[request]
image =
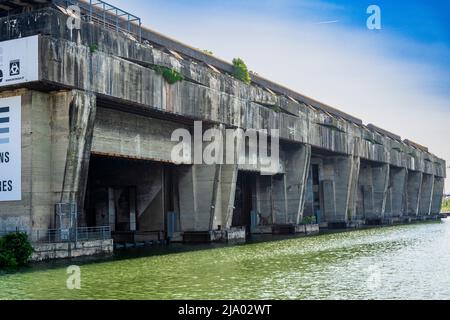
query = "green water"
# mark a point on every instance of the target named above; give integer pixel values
(402, 262)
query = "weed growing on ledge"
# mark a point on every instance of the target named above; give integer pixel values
(308, 220)
(241, 71)
(170, 75)
(93, 48)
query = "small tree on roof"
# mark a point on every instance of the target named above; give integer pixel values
(241, 71)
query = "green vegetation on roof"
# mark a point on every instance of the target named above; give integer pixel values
(240, 71)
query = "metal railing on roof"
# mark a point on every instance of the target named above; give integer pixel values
(107, 15)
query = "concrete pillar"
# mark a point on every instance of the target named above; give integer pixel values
(298, 159)
(207, 194)
(414, 186)
(380, 179)
(73, 119)
(364, 192)
(340, 176)
(426, 194)
(225, 197)
(438, 193)
(198, 187)
(397, 192)
(356, 166)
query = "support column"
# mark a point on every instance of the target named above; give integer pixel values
(198, 191)
(365, 203)
(398, 178)
(356, 167)
(337, 187)
(207, 194)
(72, 130)
(414, 186)
(426, 194)
(380, 178)
(438, 193)
(298, 160)
(225, 197)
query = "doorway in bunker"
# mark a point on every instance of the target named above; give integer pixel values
(244, 203)
(137, 199)
(313, 197)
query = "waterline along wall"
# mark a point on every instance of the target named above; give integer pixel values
(96, 125)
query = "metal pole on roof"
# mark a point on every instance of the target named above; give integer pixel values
(90, 10)
(117, 20)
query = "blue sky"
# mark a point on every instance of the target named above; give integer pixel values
(397, 78)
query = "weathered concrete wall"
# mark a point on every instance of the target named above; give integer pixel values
(54, 251)
(201, 102)
(56, 133)
(127, 135)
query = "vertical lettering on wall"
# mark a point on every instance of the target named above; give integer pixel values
(10, 149)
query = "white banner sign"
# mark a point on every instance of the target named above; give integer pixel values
(19, 61)
(10, 149)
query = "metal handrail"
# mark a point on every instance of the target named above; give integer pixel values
(64, 235)
(103, 13)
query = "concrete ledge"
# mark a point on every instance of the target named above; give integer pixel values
(337, 225)
(355, 224)
(231, 235)
(51, 251)
(283, 229)
(262, 230)
(374, 222)
(307, 229)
